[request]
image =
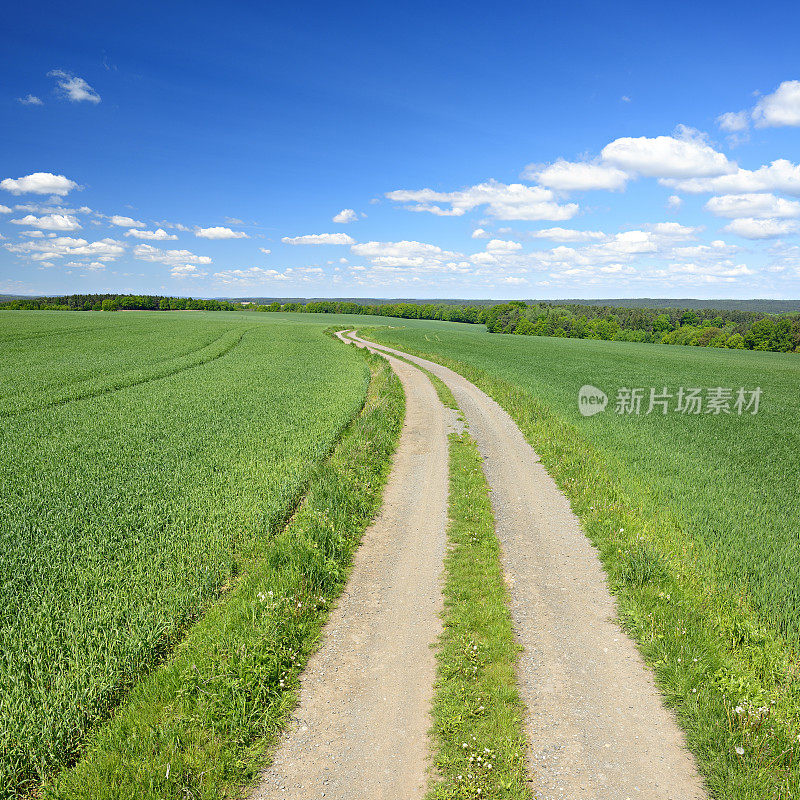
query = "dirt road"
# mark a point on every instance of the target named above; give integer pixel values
(360, 730)
(596, 724)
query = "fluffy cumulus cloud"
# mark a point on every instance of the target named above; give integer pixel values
(779, 176)
(686, 156)
(219, 232)
(50, 222)
(178, 260)
(781, 108)
(158, 235)
(752, 228)
(74, 88)
(674, 202)
(48, 249)
(514, 201)
(319, 238)
(404, 254)
(569, 176)
(126, 222)
(39, 183)
(255, 276)
(759, 206)
(734, 121)
(4, 209)
(502, 246)
(346, 215)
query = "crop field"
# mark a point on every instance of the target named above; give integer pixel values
(695, 516)
(145, 461)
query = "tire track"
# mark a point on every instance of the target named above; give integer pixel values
(596, 724)
(360, 730)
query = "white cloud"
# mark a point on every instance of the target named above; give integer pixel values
(734, 121)
(674, 202)
(418, 255)
(568, 176)
(480, 233)
(761, 206)
(75, 88)
(502, 246)
(503, 201)
(319, 238)
(158, 235)
(172, 258)
(668, 157)
(39, 183)
(780, 108)
(50, 222)
(126, 222)
(187, 271)
(751, 228)
(253, 276)
(219, 232)
(30, 100)
(346, 215)
(569, 235)
(42, 249)
(673, 230)
(4, 209)
(265, 250)
(779, 176)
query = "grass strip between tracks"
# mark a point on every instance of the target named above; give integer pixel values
(478, 741)
(202, 724)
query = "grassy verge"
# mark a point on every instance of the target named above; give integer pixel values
(199, 726)
(731, 681)
(478, 741)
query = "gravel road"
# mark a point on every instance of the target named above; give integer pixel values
(596, 724)
(360, 731)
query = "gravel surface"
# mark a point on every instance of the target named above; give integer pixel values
(360, 731)
(596, 724)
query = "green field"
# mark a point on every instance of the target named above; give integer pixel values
(149, 464)
(696, 518)
(146, 461)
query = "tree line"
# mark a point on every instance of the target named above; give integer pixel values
(697, 327)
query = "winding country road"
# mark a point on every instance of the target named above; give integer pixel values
(596, 725)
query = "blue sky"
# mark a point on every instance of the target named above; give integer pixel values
(404, 150)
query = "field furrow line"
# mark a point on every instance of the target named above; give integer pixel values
(211, 352)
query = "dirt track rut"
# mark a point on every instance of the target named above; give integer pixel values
(360, 730)
(596, 724)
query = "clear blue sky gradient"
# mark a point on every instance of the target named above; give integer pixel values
(282, 115)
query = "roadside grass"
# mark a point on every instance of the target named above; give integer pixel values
(477, 713)
(730, 676)
(201, 725)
